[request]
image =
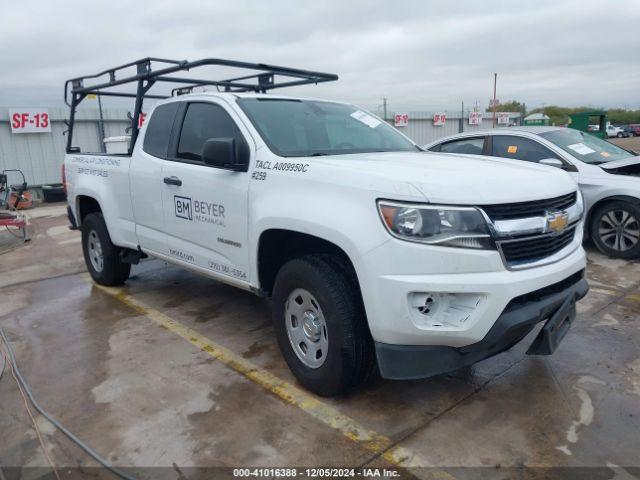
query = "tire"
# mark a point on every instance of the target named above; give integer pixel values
(619, 135)
(334, 298)
(609, 237)
(111, 270)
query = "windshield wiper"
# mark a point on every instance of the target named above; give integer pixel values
(318, 154)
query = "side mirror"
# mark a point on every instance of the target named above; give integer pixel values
(552, 162)
(222, 153)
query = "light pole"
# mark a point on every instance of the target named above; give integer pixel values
(495, 81)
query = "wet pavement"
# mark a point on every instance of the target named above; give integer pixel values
(139, 375)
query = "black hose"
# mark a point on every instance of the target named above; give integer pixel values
(54, 422)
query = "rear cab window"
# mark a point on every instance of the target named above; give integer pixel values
(156, 140)
(469, 146)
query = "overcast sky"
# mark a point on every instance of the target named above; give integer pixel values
(421, 55)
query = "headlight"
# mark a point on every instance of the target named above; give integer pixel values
(436, 225)
(580, 203)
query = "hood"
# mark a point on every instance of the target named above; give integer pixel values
(626, 166)
(462, 180)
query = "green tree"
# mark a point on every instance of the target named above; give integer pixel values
(510, 106)
(560, 115)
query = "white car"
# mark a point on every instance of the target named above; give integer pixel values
(608, 176)
(372, 251)
(613, 131)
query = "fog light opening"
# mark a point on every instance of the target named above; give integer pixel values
(450, 310)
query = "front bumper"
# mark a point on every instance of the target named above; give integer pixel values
(555, 303)
(397, 276)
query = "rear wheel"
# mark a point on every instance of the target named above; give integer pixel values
(101, 256)
(321, 325)
(615, 229)
(619, 135)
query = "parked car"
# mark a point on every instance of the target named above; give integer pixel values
(632, 130)
(609, 176)
(371, 250)
(614, 131)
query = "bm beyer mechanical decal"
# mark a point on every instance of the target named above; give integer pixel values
(199, 210)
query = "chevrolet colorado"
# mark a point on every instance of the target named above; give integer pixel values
(375, 254)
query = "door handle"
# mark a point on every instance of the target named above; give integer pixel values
(173, 181)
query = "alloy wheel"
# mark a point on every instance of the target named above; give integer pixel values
(619, 230)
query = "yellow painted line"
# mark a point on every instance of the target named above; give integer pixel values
(347, 426)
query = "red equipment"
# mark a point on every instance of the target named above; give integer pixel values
(12, 201)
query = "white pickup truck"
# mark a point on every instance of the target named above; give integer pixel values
(373, 252)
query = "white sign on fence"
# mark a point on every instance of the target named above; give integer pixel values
(29, 120)
(401, 119)
(475, 118)
(503, 118)
(439, 119)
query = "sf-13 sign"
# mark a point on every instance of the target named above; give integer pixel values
(29, 120)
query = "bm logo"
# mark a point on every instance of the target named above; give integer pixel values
(183, 207)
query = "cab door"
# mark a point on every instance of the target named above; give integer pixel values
(145, 178)
(205, 208)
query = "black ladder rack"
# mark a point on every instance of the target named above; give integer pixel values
(264, 77)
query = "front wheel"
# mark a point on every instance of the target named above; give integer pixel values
(615, 229)
(619, 135)
(321, 324)
(101, 256)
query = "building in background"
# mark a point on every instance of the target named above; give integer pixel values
(425, 127)
(36, 144)
(539, 119)
(39, 152)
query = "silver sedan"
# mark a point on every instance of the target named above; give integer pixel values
(608, 176)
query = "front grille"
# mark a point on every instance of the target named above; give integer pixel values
(536, 208)
(531, 249)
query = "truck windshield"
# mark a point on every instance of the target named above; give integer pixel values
(585, 146)
(306, 128)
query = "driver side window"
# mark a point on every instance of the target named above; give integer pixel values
(202, 122)
(519, 148)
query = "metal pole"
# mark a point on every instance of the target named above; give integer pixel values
(384, 108)
(101, 124)
(72, 116)
(136, 115)
(461, 125)
(495, 81)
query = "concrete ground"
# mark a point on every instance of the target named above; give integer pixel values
(179, 371)
(630, 143)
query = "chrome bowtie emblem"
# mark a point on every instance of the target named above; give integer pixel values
(557, 221)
